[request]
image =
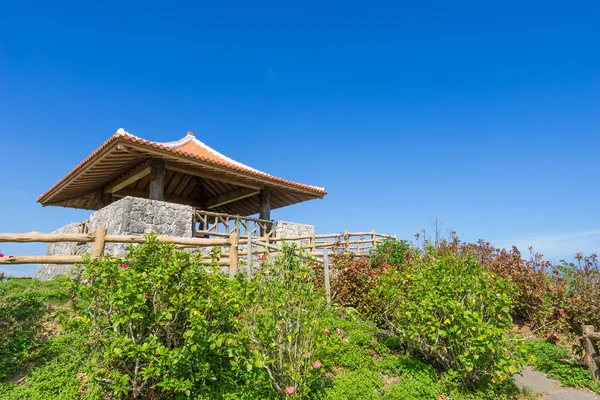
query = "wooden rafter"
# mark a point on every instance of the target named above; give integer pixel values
(168, 197)
(230, 197)
(209, 175)
(130, 177)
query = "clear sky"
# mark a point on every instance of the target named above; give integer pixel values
(484, 115)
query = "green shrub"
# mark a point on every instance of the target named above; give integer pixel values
(282, 321)
(448, 308)
(390, 253)
(354, 278)
(161, 325)
(580, 304)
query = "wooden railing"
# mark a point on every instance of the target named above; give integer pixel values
(591, 357)
(358, 243)
(318, 246)
(207, 224)
(100, 238)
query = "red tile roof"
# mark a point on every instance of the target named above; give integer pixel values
(190, 147)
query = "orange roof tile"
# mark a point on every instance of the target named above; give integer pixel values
(189, 146)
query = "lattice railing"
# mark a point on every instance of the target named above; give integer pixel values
(207, 224)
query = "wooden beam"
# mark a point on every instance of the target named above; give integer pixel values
(230, 197)
(127, 179)
(168, 197)
(265, 204)
(264, 208)
(156, 189)
(210, 175)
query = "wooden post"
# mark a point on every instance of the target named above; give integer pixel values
(591, 352)
(156, 189)
(374, 239)
(106, 198)
(326, 273)
(99, 238)
(233, 255)
(312, 242)
(249, 263)
(264, 207)
(347, 241)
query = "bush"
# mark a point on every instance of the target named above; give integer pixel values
(448, 308)
(581, 300)
(353, 279)
(535, 289)
(352, 282)
(161, 325)
(390, 253)
(281, 320)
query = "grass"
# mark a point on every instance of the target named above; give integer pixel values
(39, 359)
(559, 362)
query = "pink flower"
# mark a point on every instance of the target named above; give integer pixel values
(261, 257)
(316, 364)
(123, 266)
(167, 255)
(561, 311)
(290, 390)
(1, 255)
(145, 296)
(325, 331)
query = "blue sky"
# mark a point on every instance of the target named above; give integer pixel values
(484, 115)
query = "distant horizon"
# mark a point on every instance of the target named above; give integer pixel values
(540, 241)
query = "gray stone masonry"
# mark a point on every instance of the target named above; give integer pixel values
(128, 216)
(292, 229)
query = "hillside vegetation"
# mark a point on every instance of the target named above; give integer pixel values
(433, 321)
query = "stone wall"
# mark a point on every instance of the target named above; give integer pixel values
(285, 229)
(136, 216)
(128, 216)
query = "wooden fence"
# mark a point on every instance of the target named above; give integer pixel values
(591, 357)
(357, 243)
(318, 246)
(100, 238)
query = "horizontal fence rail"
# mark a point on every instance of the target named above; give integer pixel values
(358, 244)
(100, 238)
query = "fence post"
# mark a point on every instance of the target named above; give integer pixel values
(374, 239)
(347, 241)
(313, 249)
(99, 237)
(589, 357)
(249, 257)
(326, 273)
(233, 255)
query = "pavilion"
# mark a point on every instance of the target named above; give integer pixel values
(186, 171)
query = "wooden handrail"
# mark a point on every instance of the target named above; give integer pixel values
(261, 244)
